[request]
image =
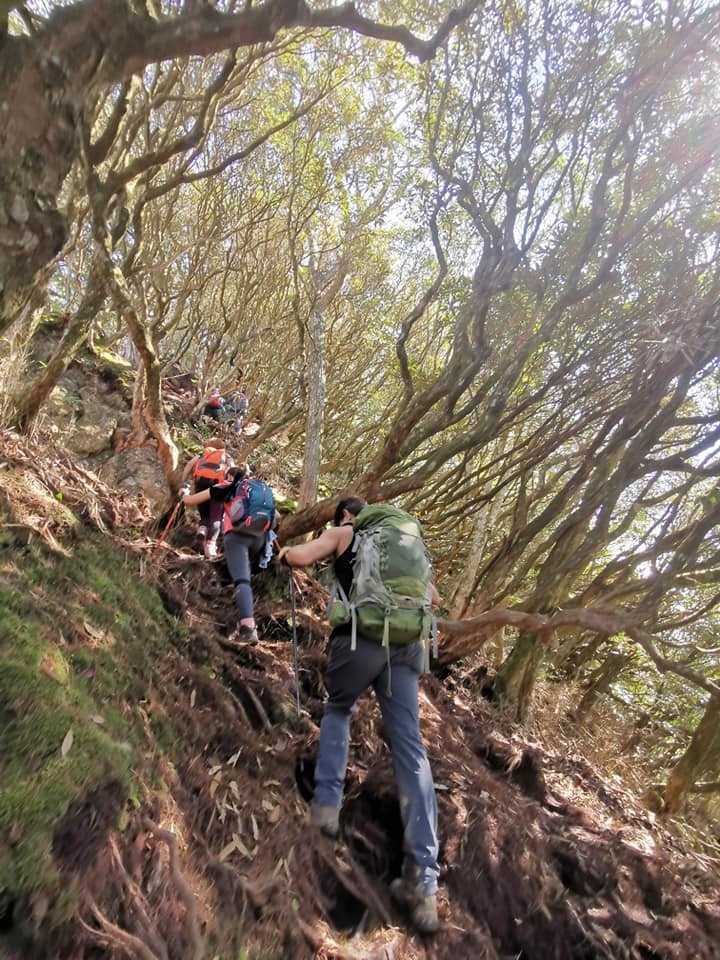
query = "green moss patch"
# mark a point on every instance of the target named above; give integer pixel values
(79, 639)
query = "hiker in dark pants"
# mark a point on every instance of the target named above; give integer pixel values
(241, 544)
(204, 471)
(214, 405)
(237, 408)
(349, 674)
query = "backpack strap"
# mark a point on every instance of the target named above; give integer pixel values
(336, 590)
(351, 606)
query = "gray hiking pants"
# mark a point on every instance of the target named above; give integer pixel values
(239, 550)
(350, 673)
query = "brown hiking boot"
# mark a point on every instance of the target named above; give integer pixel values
(326, 818)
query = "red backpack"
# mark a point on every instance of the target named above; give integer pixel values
(212, 464)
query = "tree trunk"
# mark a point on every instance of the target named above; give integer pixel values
(325, 286)
(152, 411)
(600, 682)
(583, 652)
(515, 681)
(315, 418)
(462, 594)
(72, 339)
(702, 756)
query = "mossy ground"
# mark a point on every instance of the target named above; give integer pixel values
(79, 635)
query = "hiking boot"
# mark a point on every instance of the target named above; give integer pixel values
(210, 549)
(407, 889)
(326, 818)
(246, 634)
(425, 915)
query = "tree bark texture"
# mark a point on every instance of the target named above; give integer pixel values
(600, 682)
(702, 756)
(75, 333)
(515, 681)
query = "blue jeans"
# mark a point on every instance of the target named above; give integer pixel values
(350, 673)
(239, 549)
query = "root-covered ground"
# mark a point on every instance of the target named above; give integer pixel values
(209, 852)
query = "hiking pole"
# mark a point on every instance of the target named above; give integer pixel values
(295, 643)
(164, 533)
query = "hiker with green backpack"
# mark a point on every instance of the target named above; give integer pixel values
(381, 617)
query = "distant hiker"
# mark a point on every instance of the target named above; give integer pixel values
(205, 470)
(249, 518)
(357, 659)
(237, 408)
(214, 404)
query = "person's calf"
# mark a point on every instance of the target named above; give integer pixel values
(210, 549)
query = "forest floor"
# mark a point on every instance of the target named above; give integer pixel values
(208, 852)
(542, 856)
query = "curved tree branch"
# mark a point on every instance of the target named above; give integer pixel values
(463, 636)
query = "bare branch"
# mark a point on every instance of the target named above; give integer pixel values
(597, 619)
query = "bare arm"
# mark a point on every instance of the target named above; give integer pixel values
(192, 499)
(332, 542)
(189, 468)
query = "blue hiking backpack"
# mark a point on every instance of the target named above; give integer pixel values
(252, 509)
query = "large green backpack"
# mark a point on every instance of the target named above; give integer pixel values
(390, 596)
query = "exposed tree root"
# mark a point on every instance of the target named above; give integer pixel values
(353, 878)
(111, 935)
(182, 887)
(139, 906)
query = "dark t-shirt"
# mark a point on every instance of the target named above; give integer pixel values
(224, 492)
(343, 568)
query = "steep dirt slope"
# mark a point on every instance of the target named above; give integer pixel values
(157, 807)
